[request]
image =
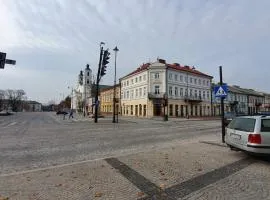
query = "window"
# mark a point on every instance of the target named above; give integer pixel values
(132, 81)
(190, 92)
(265, 127)
(124, 94)
(181, 78)
(140, 92)
(127, 83)
(200, 93)
(156, 89)
(176, 91)
(170, 76)
(196, 93)
(87, 73)
(124, 83)
(186, 92)
(136, 80)
(195, 81)
(140, 78)
(87, 81)
(203, 94)
(156, 75)
(144, 91)
(207, 83)
(170, 90)
(181, 92)
(190, 80)
(203, 82)
(136, 94)
(208, 97)
(144, 77)
(242, 124)
(127, 94)
(186, 79)
(175, 77)
(200, 81)
(132, 94)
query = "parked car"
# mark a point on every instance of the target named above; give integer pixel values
(228, 117)
(61, 112)
(250, 134)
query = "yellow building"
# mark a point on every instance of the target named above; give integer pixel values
(106, 100)
(159, 88)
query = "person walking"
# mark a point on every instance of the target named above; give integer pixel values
(71, 114)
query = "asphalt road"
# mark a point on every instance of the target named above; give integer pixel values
(37, 140)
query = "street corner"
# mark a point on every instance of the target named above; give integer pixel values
(89, 180)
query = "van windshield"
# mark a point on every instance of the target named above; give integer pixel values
(243, 124)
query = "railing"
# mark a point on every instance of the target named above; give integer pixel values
(153, 95)
(193, 98)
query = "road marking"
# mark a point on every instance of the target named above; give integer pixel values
(11, 124)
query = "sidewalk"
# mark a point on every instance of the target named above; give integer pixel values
(190, 170)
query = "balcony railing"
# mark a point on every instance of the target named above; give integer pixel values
(193, 98)
(153, 95)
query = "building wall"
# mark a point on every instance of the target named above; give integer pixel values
(106, 100)
(146, 90)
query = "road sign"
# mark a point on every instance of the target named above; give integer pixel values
(11, 62)
(221, 90)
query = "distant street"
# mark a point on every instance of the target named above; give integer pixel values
(37, 140)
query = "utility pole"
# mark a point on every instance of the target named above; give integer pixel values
(103, 61)
(222, 106)
(114, 87)
(97, 83)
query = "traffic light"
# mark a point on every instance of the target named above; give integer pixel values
(2, 60)
(105, 61)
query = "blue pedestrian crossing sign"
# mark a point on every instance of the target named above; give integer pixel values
(221, 91)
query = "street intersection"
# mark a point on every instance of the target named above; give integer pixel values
(45, 157)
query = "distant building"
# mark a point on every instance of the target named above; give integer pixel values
(159, 88)
(81, 94)
(240, 101)
(106, 100)
(32, 106)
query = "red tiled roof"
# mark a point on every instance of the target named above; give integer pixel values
(187, 69)
(174, 66)
(139, 69)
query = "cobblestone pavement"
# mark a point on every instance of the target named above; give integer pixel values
(181, 161)
(189, 170)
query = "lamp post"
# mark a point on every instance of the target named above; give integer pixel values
(114, 88)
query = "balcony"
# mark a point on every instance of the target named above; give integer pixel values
(193, 99)
(153, 95)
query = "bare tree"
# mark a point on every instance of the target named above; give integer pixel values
(15, 98)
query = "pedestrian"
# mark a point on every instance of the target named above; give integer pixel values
(64, 115)
(71, 114)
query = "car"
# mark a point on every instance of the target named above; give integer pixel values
(228, 117)
(61, 112)
(250, 134)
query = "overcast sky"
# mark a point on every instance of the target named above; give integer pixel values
(52, 40)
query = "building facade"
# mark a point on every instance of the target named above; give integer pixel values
(81, 100)
(106, 100)
(159, 88)
(240, 101)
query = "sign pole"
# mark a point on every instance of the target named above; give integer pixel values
(222, 107)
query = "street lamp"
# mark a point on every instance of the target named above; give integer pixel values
(114, 88)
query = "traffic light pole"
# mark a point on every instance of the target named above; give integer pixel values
(222, 107)
(97, 85)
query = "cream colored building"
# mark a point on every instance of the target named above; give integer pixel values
(143, 92)
(106, 99)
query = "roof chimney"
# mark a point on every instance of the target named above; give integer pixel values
(162, 61)
(176, 64)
